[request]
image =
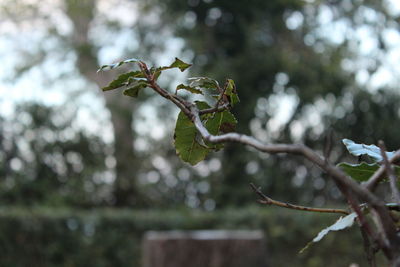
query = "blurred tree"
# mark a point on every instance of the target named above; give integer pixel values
(61, 32)
(45, 161)
(81, 14)
(304, 62)
(294, 63)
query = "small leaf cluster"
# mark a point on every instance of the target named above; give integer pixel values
(218, 119)
(134, 81)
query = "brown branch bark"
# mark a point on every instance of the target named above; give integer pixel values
(369, 248)
(390, 173)
(269, 201)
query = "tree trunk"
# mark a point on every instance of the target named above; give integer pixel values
(125, 186)
(81, 14)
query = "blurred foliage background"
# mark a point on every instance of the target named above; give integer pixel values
(306, 71)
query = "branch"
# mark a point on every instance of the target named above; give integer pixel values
(383, 218)
(390, 173)
(298, 149)
(179, 102)
(222, 96)
(378, 175)
(370, 250)
(268, 201)
(365, 228)
(217, 108)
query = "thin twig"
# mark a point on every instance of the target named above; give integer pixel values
(365, 228)
(222, 96)
(179, 102)
(390, 173)
(269, 201)
(368, 247)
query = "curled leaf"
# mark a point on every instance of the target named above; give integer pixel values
(116, 65)
(342, 223)
(360, 149)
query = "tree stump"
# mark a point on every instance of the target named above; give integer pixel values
(206, 248)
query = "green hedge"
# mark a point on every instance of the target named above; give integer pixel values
(111, 237)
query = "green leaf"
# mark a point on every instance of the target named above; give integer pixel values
(230, 91)
(362, 172)
(176, 64)
(359, 172)
(202, 105)
(123, 80)
(360, 149)
(116, 65)
(133, 91)
(221, 122)
(180, 64)
(186, 142)
(342, 223)
(189, 88)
